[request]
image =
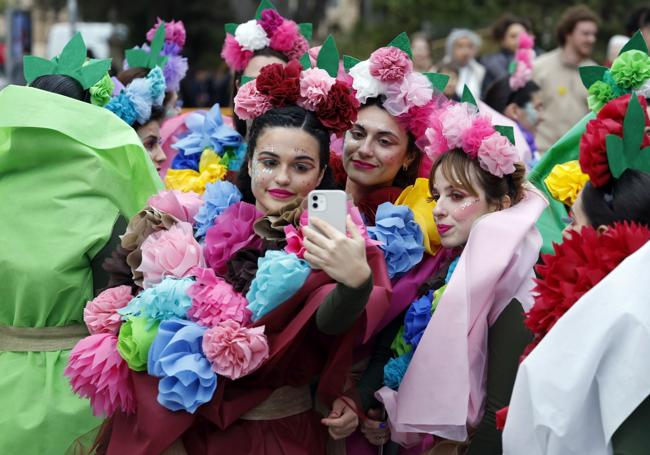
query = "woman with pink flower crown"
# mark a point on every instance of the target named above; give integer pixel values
(234, 323)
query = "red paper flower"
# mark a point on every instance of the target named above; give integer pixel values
(280, 83)
(593, 150)
(339, 110)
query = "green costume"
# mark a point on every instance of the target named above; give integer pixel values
(68, 169)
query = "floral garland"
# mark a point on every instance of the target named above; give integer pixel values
(269, 30)
(206, 152)
(313, 89)
(134, 102)
(578, 264)
(521, 69)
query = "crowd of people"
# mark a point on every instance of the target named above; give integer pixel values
(167, 290)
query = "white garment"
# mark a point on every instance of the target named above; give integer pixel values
(471, 75)
(589, 373)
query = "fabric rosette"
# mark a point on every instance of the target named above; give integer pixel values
(417, 318)
(100, 314)
(497, 155)
(272, 226)
(232, 231)
(565, 181)
(97, 372)
(279, 276)
(134, 341)
(417, 197)
(395, 370)
(218, 197)
(168, 299)
(234, 350)
(631, 69)
(242, 268)
(211, 169)
(172, 253)
(215, 301)
(400, 236)
(176, 357)
(182, 206)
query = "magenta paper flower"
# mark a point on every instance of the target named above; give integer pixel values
(250, 103)
(456, 121)
(295, 241)
(390, 64)
(300, 46)
(215, 301)
(235, 351)
(97, 371)
(497, 155)
(174, 32)
(315, 84)
(270, 19)
(481, 128)
(234, 55)
(284, 36)
(181, 205)
(100, 314)
(171, 253)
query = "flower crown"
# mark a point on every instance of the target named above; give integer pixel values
(72, 62)
(165, 44)
(314, 89)
(460, 125)
(135, 101)
(268, 29)
(630, 73)
(409, 95)
(521, 68)
(616, 140)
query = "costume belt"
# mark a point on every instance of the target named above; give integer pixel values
(283, 402)
(40, 339)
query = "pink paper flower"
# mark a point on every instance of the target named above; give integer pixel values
(480, 129)
(295, 241)
(300, 46)
(284, 36)
(100, 314)
(215, 301)
(235, 351)
(526, 41)
(181, 205)
(456, 121)
(232, 231)
(433, 143)
(97, 372)
(415, 90)
(173, 253)
(417, 119)
(270, 19)
(250, 103)
(497, 155)
(233, 54)
(521, 76)
(315, 84)
(390, 64)
(174, 32)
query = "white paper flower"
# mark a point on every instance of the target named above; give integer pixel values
(251, 36)
(644, 89)
(363, 82)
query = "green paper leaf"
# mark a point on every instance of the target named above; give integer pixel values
(439, 81)
(264, 4)
(468, 97)
(231, 28)
(506, 131)
(402, 42)
(512, 67)
(615, 155)
(591, 74)
(246, 79)
(328, 57)
(305, 61)
(635, 43)
(158, 42)
(624, 153)
(306, 30)
(73, 55)
(92, 72)
(349, 62)
(35, 67)
(149, 59)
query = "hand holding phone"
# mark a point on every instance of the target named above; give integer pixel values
(330, 206)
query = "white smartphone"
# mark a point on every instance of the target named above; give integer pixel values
(330, 206)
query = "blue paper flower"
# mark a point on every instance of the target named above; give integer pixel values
(176, 357)
(395, 370)
(139, 92)
(400, 236)
(166, 300)
(279, 276)
(417, 317)
(207, 130)
(122, 106)
(218, 197)
(236, 157)
(156, 80)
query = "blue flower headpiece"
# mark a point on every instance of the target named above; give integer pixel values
(134, 103)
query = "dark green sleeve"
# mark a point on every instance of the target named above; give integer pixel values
(100, 276)
(342, 307)
(633, 437)
(507, 339)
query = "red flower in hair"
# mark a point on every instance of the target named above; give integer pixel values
(280, 83)
(339, 109)
(593, 150)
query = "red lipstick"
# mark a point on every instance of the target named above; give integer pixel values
(442, 228)
(363, 165)
(279, 193)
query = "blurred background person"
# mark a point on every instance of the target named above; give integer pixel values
(451, 70)
(461, 49)
(614, 46)
(421, 49)
(639, 20)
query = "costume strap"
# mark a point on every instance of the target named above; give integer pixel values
(40, 339)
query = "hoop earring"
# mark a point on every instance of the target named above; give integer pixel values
(405, 166)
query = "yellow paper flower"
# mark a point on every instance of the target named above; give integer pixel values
(418, 199)
(565, 181)
(211, 169)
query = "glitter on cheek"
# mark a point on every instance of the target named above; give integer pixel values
(466, 210)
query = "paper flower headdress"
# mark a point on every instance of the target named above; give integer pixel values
(630, 73)
(268, 29)
(521, 68)
(135, 101)
(314, 89)
(72, 62)
(409, 95)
